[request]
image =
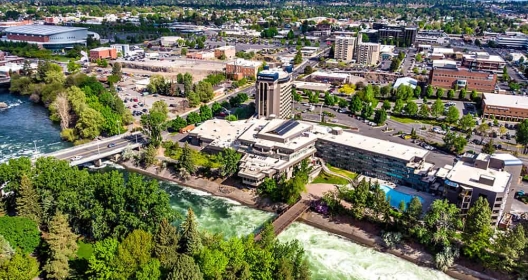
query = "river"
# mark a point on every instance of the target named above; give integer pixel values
(330, 256)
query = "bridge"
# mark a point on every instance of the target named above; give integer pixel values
(287, 218)
(99, 149)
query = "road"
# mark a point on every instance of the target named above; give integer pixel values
(91, 150)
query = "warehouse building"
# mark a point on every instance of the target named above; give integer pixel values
(103, 53)
(48, 36)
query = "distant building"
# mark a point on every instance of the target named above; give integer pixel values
(274, 93)
(48, 36)
(344, 48)
(514, 42)
(201, 55)
(368, 53)
(6, 24)
(169, 41)
(124, 49)
(103, 53)
(505, 107)
(328, 77)
(241, 68)
(482, 81)
(407, 81)
(483, 61)
(227, 51)
(395, 35)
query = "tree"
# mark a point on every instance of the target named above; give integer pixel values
(204, 90)
(205, 113)
(89, 123)
(429, 92)
(511, 244)
(216, 108)
(160, 107)
(367, 112)
(473, 95)
(356, 104)
(231, 118)
(462, 95)
(414, 209)
(386, 105)
(116, 70)
(20, 232)
(101, 264)
(297, 59)
(489, 148)
(133, 254)
(424, 111)
(186, 160)
(193, 118)
(193, 98)
(483, 129)
(398, 106)
(467, 122)
(62, 244)
(342, 103)
(19, 267)
(411, 108)
(73, 67)
(153, 125)
(229, 159)
(477, 230)
(395, 64)
(521, 135)
(27, 202)
(442, 221)
(6, 251)
(452, 115)
(185, 269)
(183, 51)
(329, 99)
(417, 91)
(450, 94)
(380, 116)
(166, 244)
(439, 93)
(385, 90)
(190, 240)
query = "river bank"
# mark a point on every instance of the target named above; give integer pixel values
(364, 234)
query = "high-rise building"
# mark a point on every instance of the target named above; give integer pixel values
(396, 35)
(368, 53)
(274, 93)
(344, 48)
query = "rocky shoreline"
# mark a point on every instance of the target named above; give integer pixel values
(344, 229)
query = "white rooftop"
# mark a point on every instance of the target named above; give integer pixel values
(483, 56)
(443, 50)
(405, 81)
(246, 63)
(329, 74)
(45, 30)
(466, 174)
(312, 86)
(506, 100)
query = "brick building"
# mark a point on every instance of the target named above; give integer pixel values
(483, 61)
(103, 53)
(505, 107)
(227, 51)
(241, 68)
(447, 78)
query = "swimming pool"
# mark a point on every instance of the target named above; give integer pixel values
(396, 196)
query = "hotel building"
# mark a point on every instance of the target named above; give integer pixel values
(274, 97)
(344, 48)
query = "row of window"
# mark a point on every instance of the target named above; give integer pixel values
(460, 76)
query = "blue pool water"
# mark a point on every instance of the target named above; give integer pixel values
(396, 196)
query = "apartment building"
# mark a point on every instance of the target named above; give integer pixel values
(225, 52)
(483, 61)
(241, 68)
(505, 107)
(368, 53)
(344, 48)
(400, 36)
(494, 178)
(481, 81)
(274, 97)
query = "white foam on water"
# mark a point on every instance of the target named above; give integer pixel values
(332, 257)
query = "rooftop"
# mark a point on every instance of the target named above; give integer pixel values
(281, 74)
(443, 50)
(483, 56)
(312, 86)
(44, 30)
(101, 49)
(223, 48)
(405, 81)
(246, 63)
(466, 174)
(330, 74)
(222, 133)
(506, 100)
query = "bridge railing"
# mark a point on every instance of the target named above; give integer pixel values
(103, 155)
(90, 144)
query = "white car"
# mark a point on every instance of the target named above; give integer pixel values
(76, 158)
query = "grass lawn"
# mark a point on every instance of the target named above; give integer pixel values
(85, 250)
(343, 172)
(200, 159)
(409, 120)
(328, 179)
(333, 125)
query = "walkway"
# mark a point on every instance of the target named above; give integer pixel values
(288, 217)
(330, 172)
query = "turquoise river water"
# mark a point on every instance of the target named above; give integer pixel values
(331, 257)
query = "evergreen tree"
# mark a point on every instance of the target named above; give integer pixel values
(267, 236)
(190, 241)
(186, 160)
(166, 244)
(63, 246)
(477, 230)
(185, 269)
(414, 209)
(27, 203)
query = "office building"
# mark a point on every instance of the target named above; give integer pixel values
(483, 61)
(505, 107)
(481, 81)
(48, 36)
(169, 41)
(329, 77)
(241, 68)
(103, 53)
(400, 36)
(201, 55)
(225, 52)
(344, 48)
(368, 53)
(273, 97)
(494, 178)
(124, 49)
(514, 42)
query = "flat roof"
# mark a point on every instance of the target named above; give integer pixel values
(221, 133)
(330, 75)
(312, 86)
(246, 63)
(37, 29)
(405, 81)
(102, 49)
(361, 142)
(484, 56)
(466, 174)
(506, 100)
(443, 50)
